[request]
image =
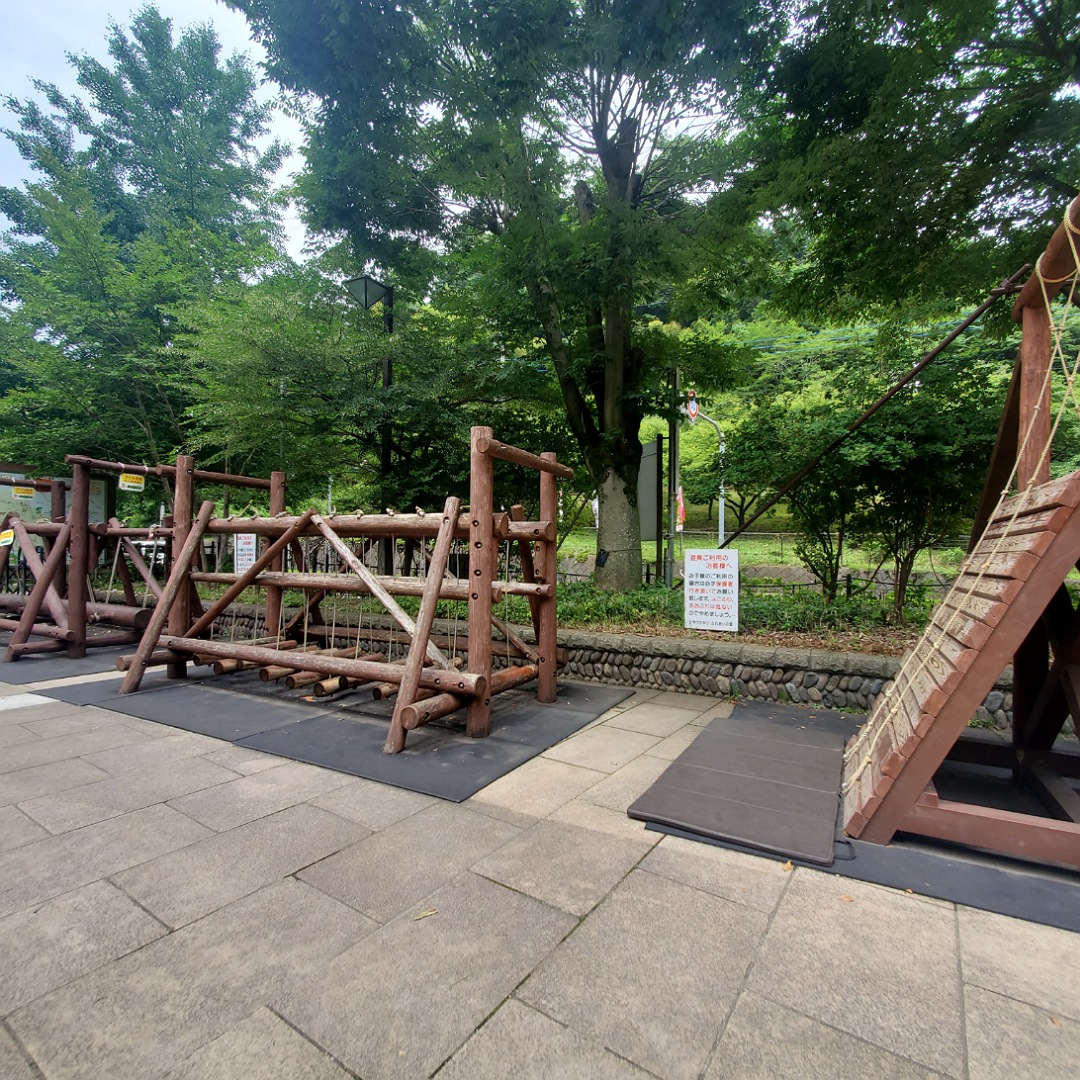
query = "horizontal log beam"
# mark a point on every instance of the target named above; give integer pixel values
(1055, 263)
(461, 682)
(505, 452)
(207, 476)
(404, 526)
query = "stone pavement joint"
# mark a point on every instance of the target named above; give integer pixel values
(330, 927)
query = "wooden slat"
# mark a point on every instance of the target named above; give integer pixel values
(993, 588)
(1062, 492)
(1032, 543)
(986, 611)
(967, 631)
(1034, 522)
(1010, 564)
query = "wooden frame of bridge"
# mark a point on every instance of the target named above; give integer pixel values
(1009, 603)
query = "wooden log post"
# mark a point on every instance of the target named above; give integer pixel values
(79, 518)
(528, 569)
(274, 592)
(178, 608)
(53, 602)
(58, 513)
(481, 560)
(547, 573)
(410, 681)
(37, 594)
(175, 588)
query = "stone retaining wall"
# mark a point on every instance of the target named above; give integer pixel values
(830, 680)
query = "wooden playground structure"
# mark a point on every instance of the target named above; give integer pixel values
(59, 613)
(427, 683)
(1009, 602)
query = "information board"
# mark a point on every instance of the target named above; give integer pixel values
(711, 590)
(243, 552)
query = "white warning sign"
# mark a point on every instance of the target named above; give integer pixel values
(711, 590)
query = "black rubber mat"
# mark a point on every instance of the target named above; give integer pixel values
(41, 667)
(766, 778)
(441, 763)
(347, 733)
(208, 711)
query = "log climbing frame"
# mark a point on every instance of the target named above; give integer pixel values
(1009, 602)
(428, 684)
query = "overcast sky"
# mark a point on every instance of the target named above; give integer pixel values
(37, 35)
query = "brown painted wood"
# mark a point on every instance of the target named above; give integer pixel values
(77, 594)
(179, 608)
(274, 592)
(421, 636)
(357, 526)
(546, 639)
(488, 444)
(141, 568)
(528, 568)
(174, 588)
(461, 682)
(952, 718)
(1055, 793)
(1065, 491)
(434, 708)
(1055, 263)
(36, 599)
(1036, 419)
(204, 622)
(1002, 459)
(53, 602)
(301, 678)
(481, 556)
(1019, 835)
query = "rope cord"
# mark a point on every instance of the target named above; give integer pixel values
(888, 714)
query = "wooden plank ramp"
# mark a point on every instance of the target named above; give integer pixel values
(1004, 586)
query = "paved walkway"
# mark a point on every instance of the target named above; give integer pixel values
(173, 906)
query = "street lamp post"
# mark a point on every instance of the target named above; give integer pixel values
(368, 292)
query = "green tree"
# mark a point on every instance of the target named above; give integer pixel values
(557, 145)
(149, 191)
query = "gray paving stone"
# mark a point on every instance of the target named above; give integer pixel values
(638, 697)
(1026, 961)
(520, 1042)
(652, 718)
(746, 879)
(80, 744)
(875, 963)
(765, 1041)
(250, 797)
(17, 829)
(600, 819)
(37, 872)
(151, 752)
(16, 735)
(122, 793)
(37, 780)
(187, 884)
(404, 999)
(239, 758)
(20, 698)
(671, 747)
(393, 869)
(373, 805)
(151, 1010)
(651, 974)
(86, 719)
(603, 748)
(1010, 1038)
(533, 790)
(52, 943)
(13, 1064)
(27, 707)
(693, 703)
(262, 1047)
(147, 727)
(626, 785)
(567, 867)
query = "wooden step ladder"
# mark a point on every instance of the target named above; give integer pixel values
(1012, 579)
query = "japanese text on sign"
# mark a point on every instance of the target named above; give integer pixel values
(243, 552)
(711, 590)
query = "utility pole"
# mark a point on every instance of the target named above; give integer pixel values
(673, 480)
